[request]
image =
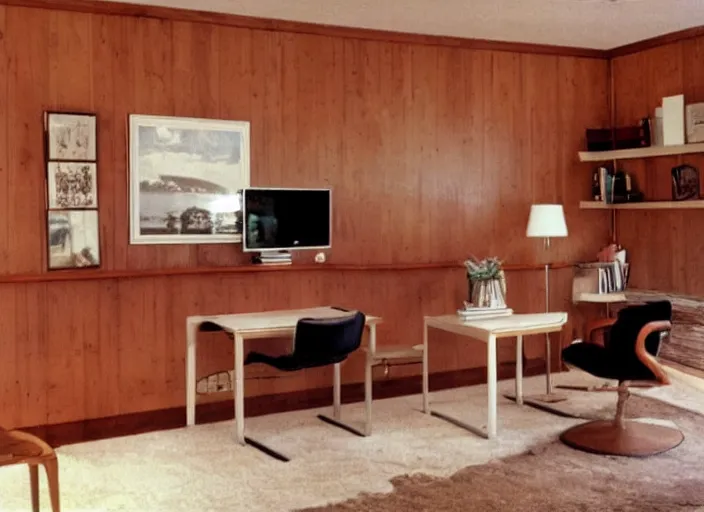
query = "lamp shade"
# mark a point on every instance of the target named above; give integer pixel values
(546, 221)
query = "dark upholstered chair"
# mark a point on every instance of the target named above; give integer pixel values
(321, 342)
(318, 342)
(628, 356)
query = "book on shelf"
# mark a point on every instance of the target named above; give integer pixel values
(600, 278)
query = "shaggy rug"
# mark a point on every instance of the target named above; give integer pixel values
(554, 477)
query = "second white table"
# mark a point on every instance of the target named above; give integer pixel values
(488, 331)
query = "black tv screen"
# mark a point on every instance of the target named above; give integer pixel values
(286, 218)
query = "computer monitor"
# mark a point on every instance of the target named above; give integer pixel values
(284, 219)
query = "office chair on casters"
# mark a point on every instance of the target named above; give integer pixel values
(628, 356)
(321, 342)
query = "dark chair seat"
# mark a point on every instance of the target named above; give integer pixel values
(289, 363)
(595, 360)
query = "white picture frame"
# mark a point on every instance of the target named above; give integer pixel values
(73, 239)
(72, 185)
(186, 177)
(71, 137)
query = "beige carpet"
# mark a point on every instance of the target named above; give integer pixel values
(201, 469)
(553, 477)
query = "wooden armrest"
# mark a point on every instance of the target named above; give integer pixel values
(595, 325)
(645, 357)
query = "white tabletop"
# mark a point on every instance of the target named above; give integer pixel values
(504, 326)
(268, 320)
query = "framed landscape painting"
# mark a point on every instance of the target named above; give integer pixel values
(186, 177)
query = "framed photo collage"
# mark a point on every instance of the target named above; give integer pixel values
(73, 229)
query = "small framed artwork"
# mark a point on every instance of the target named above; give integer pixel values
(73, 239)
(186, 177)
(685, 183)
(72, 185)
(71, 137)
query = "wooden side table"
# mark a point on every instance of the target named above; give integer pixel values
(18, 447)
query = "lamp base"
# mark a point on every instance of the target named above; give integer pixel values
(547, 398)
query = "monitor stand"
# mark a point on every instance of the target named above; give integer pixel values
(272, 258)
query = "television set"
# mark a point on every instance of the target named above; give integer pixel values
(284, 219)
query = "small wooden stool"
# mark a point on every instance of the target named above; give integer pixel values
(21, 448)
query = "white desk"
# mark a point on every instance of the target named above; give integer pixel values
(488, 331)
(268, 324)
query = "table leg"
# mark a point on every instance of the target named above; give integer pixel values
(426, 383)
(239, 389)
(191, 339)
(519, 369)
(491, 386)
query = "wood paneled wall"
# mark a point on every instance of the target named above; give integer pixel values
(433, 152)
(665, 247)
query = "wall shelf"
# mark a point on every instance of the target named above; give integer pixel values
(646, 205)
(601, 298)
(651, 151)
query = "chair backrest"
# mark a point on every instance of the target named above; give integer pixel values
(324, 341)
(624, 332)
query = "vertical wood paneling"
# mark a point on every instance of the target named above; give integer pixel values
(582, 84)
(10, 381)
(433, 153)
(4, 164)
(28, 96)
(105, 44)
(33, 359)
(664, 246)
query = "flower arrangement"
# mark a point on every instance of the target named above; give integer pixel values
(484, 270)
(487, 282)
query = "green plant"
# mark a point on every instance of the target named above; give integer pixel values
(483, 270)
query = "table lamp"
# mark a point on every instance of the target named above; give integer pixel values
(547, 221)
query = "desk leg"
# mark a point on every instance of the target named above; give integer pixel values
(368, 382)
(426, 384)
(239, 389)
(519, 369)
(191, 339)
(491, 386)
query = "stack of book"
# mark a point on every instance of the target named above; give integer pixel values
(273, 258)
(469, 313)
(599, 278)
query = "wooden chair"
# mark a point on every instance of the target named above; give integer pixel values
(628, 356)
(18, 447)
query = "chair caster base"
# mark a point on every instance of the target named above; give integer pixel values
(633, 439)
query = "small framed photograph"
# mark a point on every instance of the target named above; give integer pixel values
(73, 239)
(71, 137)
(72, 185)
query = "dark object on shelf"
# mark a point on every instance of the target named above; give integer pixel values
(616, 187)
(625, 137)
(596, 187)
(685, 183)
